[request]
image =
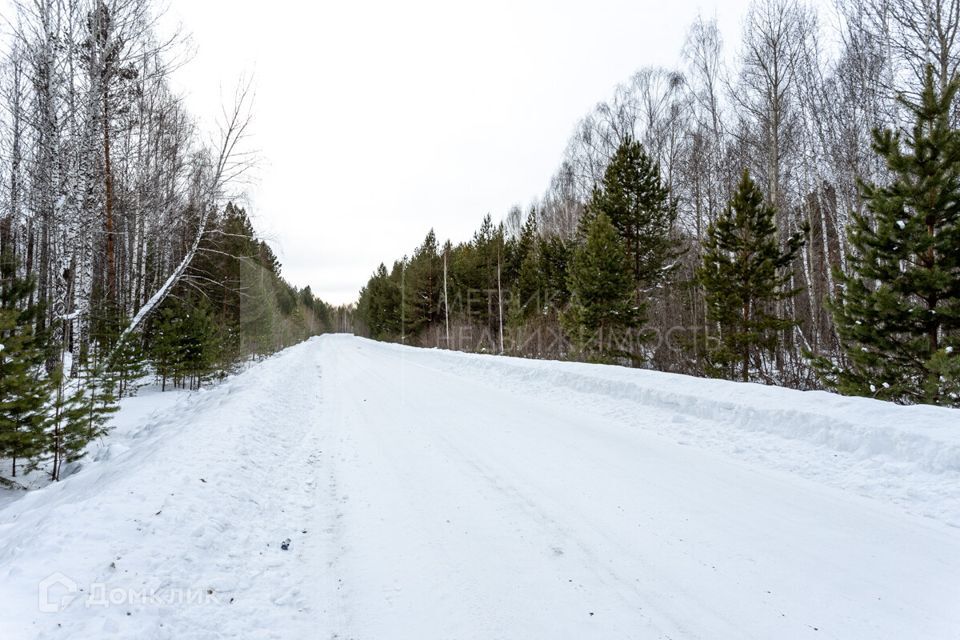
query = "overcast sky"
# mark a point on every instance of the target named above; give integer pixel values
(377, 120)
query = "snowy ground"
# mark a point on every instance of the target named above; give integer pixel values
(429, 494)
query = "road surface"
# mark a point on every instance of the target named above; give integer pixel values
(434, 495)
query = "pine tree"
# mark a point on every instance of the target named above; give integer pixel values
(164, 340)
(898, 309)
(259, 317)
(24, 387)
(58, 410)
(744, 273)
(78, 410)
(424, 283)
(477, 275)
(185, 343)
(634, 197)
(120, 364)
(602, 315)
(526, 294)
(127, 365)
(554, 258)
(380, 301)
(196, 345)
(89, 405)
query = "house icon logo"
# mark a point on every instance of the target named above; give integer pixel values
(56, 592)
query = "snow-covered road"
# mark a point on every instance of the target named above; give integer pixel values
(430, 494)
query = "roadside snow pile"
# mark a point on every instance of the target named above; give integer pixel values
(923, 435)
(909, 454)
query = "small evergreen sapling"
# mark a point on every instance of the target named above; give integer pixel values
(78, 414)
(24, 387)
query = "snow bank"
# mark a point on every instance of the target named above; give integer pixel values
(907, 448)
(926, 436)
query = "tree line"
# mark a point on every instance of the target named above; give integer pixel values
(121, 254)
(789, 219)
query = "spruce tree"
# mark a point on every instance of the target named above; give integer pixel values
(744, 273)
(898, 310)
(638, 203)
(602, 315)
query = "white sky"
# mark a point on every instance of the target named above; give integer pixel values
(377, 120)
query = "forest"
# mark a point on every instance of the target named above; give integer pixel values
(122, 251)
(785, 210)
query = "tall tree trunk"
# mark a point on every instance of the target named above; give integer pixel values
(108, 203)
